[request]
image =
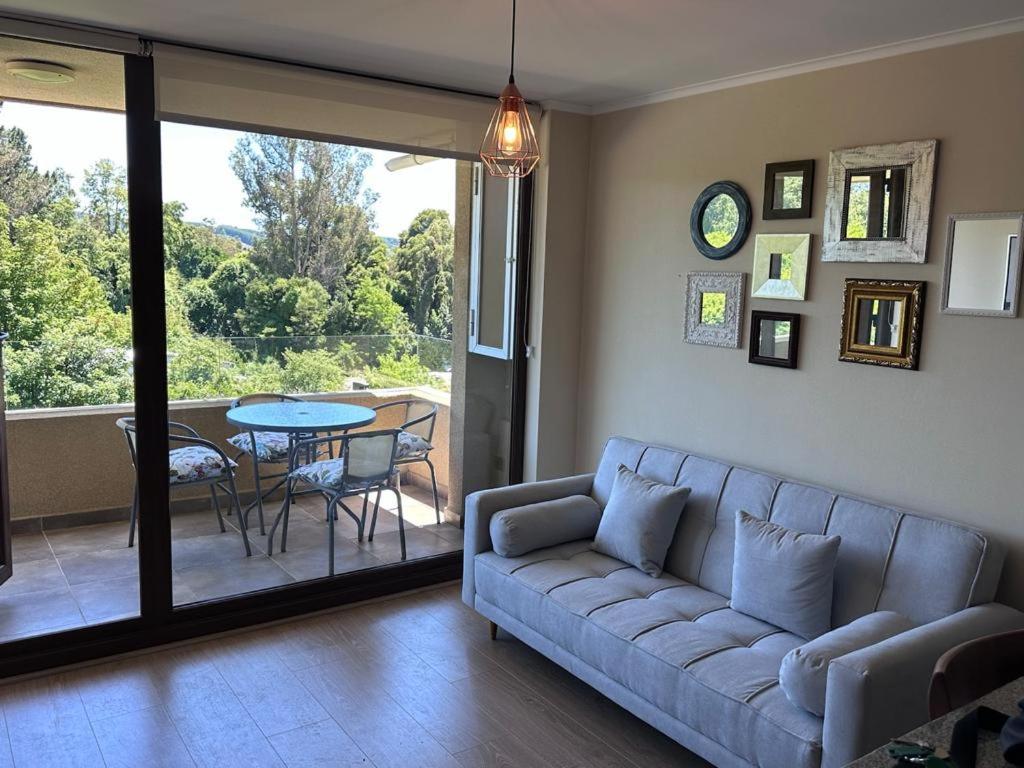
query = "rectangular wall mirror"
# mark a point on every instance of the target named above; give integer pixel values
(983, 264)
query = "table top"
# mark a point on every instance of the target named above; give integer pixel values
(939, 733)
(304, 416)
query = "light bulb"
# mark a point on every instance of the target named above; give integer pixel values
(511, 135)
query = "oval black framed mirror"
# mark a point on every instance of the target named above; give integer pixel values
(720, 220)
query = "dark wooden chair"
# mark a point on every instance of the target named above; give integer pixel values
(972, 669)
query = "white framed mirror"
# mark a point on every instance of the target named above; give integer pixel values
(983, 264)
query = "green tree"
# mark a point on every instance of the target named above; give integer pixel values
(423, 272)
(23, 189)
(195, 250)
(296, 306)
(105, 189)
(229, 282)
(374, 312)
(312, 370)
(310, 202)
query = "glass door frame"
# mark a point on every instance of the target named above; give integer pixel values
(159, 621)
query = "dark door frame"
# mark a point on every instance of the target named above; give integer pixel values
(160, 622)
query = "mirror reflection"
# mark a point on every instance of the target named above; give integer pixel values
(712, 308)
(983, 263)
(875, 203)
(720, 221)
(788, 190)
(879, 322)
(774, 338)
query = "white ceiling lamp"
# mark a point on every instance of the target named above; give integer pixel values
(40, 71)
(510, 148)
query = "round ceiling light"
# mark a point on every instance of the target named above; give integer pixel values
(40, 71)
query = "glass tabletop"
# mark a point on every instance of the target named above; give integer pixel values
(304, 416)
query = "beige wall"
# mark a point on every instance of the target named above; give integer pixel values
(947, 439)
(68, 460)
(559, 240)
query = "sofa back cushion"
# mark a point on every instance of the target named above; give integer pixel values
(887, 558)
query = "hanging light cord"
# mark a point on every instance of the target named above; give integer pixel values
(512, 56)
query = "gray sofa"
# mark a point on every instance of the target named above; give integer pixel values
(672, 651)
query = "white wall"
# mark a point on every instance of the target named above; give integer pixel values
(946, 440)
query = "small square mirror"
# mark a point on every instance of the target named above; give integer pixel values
(983, 264)
(774, 338)
(787, 190)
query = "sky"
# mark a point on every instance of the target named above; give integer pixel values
(196, 170)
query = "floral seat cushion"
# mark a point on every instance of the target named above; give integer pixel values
(329, 473)
(196, 462)
(411, 446)
(270, 446)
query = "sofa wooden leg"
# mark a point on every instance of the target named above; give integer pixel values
(494, 630)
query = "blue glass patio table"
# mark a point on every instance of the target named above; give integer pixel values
(303, 418)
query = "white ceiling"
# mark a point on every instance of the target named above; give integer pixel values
(580, 53)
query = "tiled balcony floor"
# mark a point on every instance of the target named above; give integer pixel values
(74, 577)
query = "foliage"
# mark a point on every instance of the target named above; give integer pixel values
(309, 201)
(423, 264)
(392, 371)
(314, 267)
(23, 189)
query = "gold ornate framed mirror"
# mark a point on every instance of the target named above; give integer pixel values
(882, 322)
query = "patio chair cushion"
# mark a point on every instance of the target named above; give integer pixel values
(329, 473)
(196, 462)
(411, 446)
(271, 447)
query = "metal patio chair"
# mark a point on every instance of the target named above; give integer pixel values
(270, 448)
(195, 462)
(415, 435)
(365, 463)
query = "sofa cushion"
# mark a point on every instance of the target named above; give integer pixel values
(783, 576)
(804, 670)
(639, 521)
(676, 645)
(878, 567)
(519, 530)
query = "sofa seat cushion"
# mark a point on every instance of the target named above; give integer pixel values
(671, 642)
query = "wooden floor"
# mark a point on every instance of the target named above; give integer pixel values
(412, 682)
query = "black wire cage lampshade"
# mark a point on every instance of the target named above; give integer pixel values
(510, 147)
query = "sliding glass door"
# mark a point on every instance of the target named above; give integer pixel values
(65, 303)
(164, 281)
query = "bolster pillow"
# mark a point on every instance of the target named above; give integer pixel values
(519, 530)
(804, 670)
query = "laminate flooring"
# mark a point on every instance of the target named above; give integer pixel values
(409, 682)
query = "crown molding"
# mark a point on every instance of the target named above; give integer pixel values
(940, 40)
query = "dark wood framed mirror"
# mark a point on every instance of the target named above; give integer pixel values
(787, 190)
(720, 220)
(774, 338)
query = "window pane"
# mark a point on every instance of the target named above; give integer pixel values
(308, 270)
(65, 282)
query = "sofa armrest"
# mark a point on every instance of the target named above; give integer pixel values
(880, 692)
(482, 505)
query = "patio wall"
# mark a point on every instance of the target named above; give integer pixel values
(74, 460)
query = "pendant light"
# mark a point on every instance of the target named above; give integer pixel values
(510, 148)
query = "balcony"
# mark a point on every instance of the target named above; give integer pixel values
(71, 489)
